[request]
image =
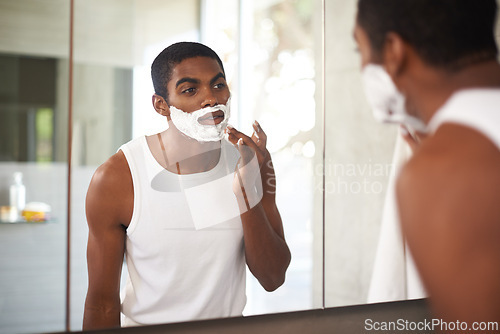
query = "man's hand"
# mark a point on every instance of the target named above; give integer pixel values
(413, 138)
(248, 182)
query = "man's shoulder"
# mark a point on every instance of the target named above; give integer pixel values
(455, 150)
(117, 166)
(110, 194)
(451, 167)
(113, 171)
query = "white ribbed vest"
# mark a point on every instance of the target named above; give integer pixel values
(176, 272)
(478, 109)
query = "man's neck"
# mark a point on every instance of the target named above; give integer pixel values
(186, 154)
(433, 87)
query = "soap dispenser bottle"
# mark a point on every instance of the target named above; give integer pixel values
(17, 195)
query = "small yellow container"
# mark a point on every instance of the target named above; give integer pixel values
(36, 212)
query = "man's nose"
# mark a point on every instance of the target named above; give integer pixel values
(209, 100)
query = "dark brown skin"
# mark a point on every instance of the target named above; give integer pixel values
(448, 200)
(448, 192)
(110, 197)
(109, 210)
(262, 224)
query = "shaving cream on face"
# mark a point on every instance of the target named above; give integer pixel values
(388, 104)
(188, 123)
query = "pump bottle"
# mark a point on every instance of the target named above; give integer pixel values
(17, 195)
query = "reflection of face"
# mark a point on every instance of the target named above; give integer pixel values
(388, 104)
(197, 83)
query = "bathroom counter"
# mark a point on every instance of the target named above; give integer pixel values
(343, 320)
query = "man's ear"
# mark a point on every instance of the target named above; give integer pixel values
(395, 54)
(161, 105)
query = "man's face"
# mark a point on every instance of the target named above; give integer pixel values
(389, 105)
(198, 83)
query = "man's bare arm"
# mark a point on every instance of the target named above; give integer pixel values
(448, 199)
(108, 208)
(266, 251)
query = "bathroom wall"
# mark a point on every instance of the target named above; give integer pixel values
(358, 155)
(33, 256)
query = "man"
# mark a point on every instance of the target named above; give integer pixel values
(432, 65)
(164, 202)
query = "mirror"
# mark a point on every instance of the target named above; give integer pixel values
(114, 45)
(275, 77)
(34, 46)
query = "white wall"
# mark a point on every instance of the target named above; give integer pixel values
(38, 28)
(356, 146)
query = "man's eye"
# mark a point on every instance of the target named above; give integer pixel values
(188, 90)
(220, 85)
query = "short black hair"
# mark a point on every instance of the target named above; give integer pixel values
(164, 63)
(448, 34)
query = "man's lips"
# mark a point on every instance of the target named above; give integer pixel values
(212, 118)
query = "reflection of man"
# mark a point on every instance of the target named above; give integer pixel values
(431, 64)
(142, 203)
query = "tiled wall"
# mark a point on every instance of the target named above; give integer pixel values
(33, 255)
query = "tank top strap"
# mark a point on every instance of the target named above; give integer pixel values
(478, 109)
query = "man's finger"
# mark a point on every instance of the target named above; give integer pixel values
(235, 135)
(260, 134)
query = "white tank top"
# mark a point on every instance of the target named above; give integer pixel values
(478, 109)
(175, 271)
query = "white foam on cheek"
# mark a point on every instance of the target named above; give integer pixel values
(188, 123)
(388, 104)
